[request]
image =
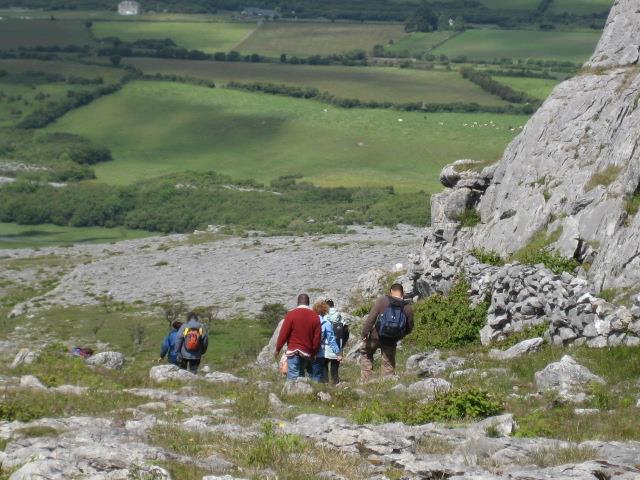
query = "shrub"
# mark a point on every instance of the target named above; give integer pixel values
(469, 218)
(488, 257)
(604, 177)
(271, 314)
(632, 205)
(538, 251)
(467, 404)
(448, 321)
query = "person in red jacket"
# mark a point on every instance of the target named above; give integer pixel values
(301, 332)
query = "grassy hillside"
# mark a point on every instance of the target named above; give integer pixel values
(380, 84)
(207, 37)
(536, 87)
(16, 33)
(155, 128)
(580, 7)
(273, 39)
(489, 44)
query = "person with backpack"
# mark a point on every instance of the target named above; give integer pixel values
(389, 321)
(192, 342)
(300, 331)
(328, 344)
(341, 333)
(168, 347)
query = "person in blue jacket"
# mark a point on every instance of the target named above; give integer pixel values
(169, 344)
(327, 341)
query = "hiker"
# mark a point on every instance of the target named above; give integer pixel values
(327, 343)
(390, 320)
(301, 332)
(341, 333)
(192, 342)
(168, 347)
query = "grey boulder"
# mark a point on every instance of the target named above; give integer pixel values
(567, 377)
(109, 360)
(162, 373)
(527, 346)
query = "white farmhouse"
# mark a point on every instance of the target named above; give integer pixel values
(129, 7)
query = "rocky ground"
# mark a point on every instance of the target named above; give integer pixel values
(238, 275)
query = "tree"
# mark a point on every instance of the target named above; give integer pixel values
(115, 60)
(378, 50)
(443, 22)
(422, 20)
(88, 24)
(283, 58)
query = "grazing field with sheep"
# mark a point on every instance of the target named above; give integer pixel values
(156, 128)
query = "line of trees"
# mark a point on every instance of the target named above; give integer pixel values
(490, 85)
(314, 93)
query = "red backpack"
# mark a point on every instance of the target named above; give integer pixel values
(192, 339)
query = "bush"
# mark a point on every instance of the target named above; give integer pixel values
(467, 404)
(448, 321)
(469, 218)
(539, 251)
(271, 314)
(488, 257)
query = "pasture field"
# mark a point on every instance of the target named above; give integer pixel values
(417, 43)
(16, 33)
(372, 83)
(580, 7)
(17, 101)
(13, 235)
(208, 37)
(536, 87)
(156, 128)
(304, 39)
(112, 15)
(489, 44)
(68, 69)
(511, 5)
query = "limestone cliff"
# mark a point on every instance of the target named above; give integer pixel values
(572, 170)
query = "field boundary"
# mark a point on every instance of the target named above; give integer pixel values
(247, 36)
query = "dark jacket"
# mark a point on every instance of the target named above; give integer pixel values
(180, 349)
(168, 347)
(378, 309)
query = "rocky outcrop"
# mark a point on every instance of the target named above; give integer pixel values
(569, 177)
(518, 350)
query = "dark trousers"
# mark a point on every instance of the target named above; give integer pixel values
(191, 365)
(331, 366)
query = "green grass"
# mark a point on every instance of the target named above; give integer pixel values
(154, 128)
(415, 44)
(207, 37)
(30, 33)
(489, 44)
(304, 39)
(379, 84)
(22, 236)
(580, 7)
(604, 177)
(536, 87)
(20, 100)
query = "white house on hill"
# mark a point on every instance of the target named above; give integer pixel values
(129, 7)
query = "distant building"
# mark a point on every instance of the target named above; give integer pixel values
(129, 7)
(259, 13)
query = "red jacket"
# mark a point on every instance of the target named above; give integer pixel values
(300, 331)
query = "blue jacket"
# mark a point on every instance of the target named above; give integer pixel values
(181, 350)
(328, 338)
(168, 347)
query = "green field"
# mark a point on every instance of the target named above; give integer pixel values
(580, 7)
(68, 69)
(489, 44)
(417, 43)
(17, 101)
(155, 128)
(16, 33)
(511, 5)
(23, 236)
(273, 39)
(208, 37)
(381, 84)
(536, 87)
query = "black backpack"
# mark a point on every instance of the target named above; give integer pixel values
(341, 332)
(392, 323)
